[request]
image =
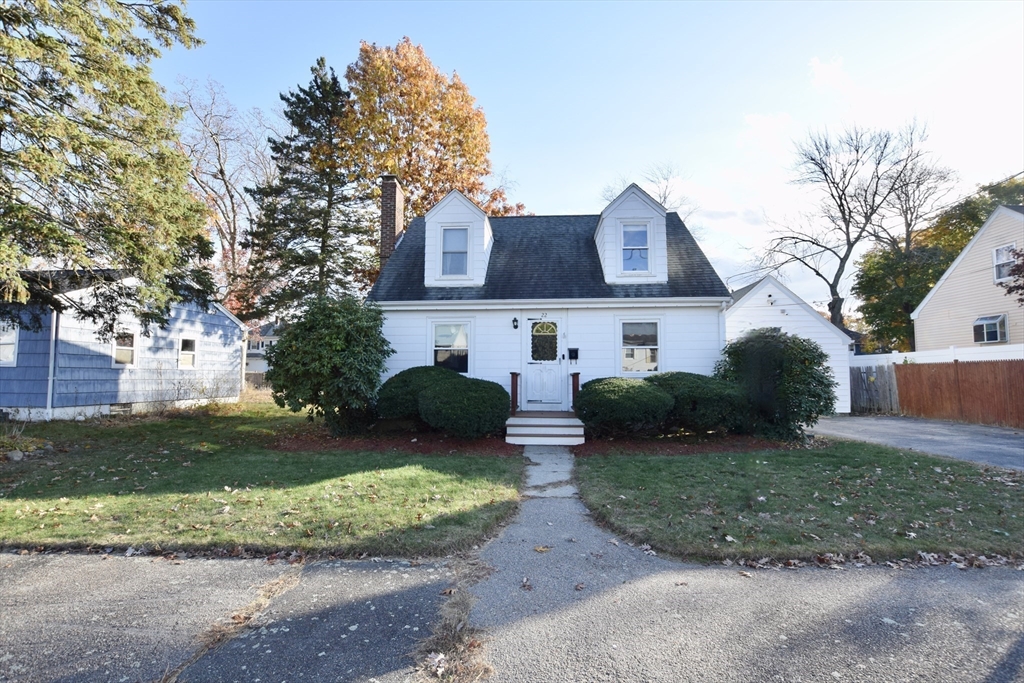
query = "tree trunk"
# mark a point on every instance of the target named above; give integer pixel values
(835, 310)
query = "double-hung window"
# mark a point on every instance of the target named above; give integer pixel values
(640, 347)
(989, 329)
(1002, 262)
(454, 251)
(451, 346)
(635, 248)
(124, 350)
(187, 354)
(8, 345)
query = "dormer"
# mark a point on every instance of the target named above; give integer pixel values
(458, 243)
(631, 239)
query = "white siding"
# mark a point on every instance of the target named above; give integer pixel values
(630, 207)
(689, 339)
(793, 316)
(457, 211)
(968, 291)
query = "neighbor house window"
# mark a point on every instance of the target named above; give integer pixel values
(640, 347)
(124, 349)
(8, 345)
(187, 353)
(451, 346)
(454, 251)
(635, 248)
(989, 329)
(1002, 261)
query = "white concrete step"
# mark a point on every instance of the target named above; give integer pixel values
(528, 430)
(544, 439)
(522, 420)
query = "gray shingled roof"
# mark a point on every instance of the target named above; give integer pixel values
(1015, 207)
(738, 294)
(547, 257)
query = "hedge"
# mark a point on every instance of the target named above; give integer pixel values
(468, 408)
(617, 404)
(399, 397)
(701, 403)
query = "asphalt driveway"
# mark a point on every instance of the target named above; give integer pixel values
(997, 446)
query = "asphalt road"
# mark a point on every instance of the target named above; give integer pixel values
(72, 617)
(997, 446)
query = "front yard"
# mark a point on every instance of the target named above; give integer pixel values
(220, 480)
(798, 504)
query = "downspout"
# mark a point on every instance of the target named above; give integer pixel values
(721, 326)
(54, 324)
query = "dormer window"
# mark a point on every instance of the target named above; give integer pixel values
(636, 242)
(454, 251)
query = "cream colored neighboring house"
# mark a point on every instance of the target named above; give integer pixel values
(967, 307)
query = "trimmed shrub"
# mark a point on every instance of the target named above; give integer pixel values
(617, 404)
(399, 396)
(701, 403)
(468, 408)
(787, 381)
(329, 362)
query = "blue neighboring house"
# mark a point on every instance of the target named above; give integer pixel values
(63, 370)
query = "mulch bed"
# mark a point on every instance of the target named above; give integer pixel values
(412, 441)
(678, 445)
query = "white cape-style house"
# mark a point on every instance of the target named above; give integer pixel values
(540, 304)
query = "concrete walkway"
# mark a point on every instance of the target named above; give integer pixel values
(984, 444)
(568, 601)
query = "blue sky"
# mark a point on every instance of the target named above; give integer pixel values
(580, 94)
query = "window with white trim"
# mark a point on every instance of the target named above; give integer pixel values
(636, 248)
(990, 329)
(454, 251)
(187, 354)
(8, 345)
(451, 346)
(640, 347)
(124, 350)
(1002, 262)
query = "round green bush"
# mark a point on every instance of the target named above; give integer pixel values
(701, 403)
(469, 408)
(787, 381)
(399, 396)
(617, 404)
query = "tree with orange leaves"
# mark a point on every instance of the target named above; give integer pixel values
(416, 122)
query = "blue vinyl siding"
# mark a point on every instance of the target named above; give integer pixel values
(85, 376)
(24, 385)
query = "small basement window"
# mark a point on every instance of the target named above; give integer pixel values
(8, 345)
(451, 347)
(1002, 262)
(187, 354)
(990, 329)
(124, 350)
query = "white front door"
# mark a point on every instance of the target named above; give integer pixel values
(545, 367)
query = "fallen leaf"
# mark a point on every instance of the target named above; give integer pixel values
(580, 586)
(541, 548)
(746, 574)
(448, 591)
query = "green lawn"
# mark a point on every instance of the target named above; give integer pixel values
(796, 504)
(210, 480)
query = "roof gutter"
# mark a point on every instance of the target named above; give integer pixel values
(503, 304)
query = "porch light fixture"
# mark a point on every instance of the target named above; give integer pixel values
(515, 323)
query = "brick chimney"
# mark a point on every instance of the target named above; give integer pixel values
(392, 215)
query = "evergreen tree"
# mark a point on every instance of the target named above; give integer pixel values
(311, 240)
(91, 176)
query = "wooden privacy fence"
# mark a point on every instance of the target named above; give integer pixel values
(256, 380)
(873, 390)
(982, 392)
